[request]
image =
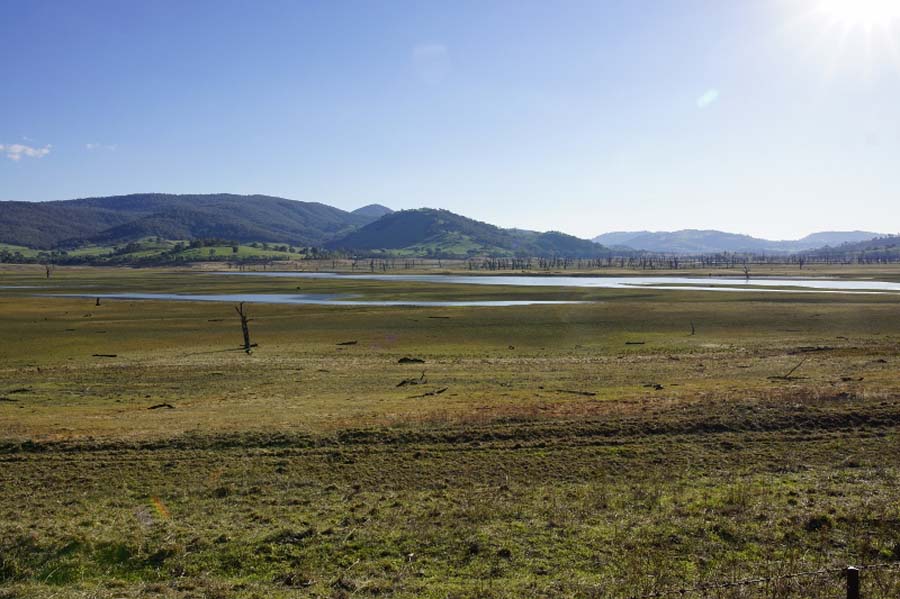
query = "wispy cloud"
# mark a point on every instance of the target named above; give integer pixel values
(432, 62)
(15, 152)
(709, 97)
(109, 147)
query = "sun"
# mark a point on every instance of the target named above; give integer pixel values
(868, 13)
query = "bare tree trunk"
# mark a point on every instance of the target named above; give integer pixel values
(245, 328)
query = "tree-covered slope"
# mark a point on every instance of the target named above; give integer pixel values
(443, 232)
(125, 218)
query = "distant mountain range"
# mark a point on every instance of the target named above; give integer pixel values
(119, 220)
(693, 241)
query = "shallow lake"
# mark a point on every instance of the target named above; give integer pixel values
(795, 285)
(308, 299)
(769, 285)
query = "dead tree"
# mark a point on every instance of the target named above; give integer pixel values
(48, 269)
(245, 328)
(746, 271)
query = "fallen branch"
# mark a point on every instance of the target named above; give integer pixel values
(429, 394)
(585, 393)
(408, 360)
(787, 376)
(167, 406)
(106, 355)
(413, 381)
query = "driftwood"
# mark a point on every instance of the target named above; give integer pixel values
(787, 377)
(158, 406)
(429, 394)
(413, 381)
(348, 342)
(584, 393)
(408, 360)
(635, 342)
(106, 355)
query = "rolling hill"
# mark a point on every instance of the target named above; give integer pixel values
(693, 241)
(440, 232)
(885, 247)
(119, 219)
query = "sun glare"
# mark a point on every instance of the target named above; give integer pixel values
(869, 13)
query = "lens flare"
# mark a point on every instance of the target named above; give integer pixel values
(869, 13)
(160, 507)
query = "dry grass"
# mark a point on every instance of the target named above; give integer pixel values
(304, 470)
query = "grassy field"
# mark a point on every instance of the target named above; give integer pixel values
(585, 450)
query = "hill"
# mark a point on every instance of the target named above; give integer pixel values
(118, 219)
(832, 238)
(886, 247)
(693, 241)
(373, 211)
(440, 232)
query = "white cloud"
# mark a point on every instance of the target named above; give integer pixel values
(110, 147)
(432, 62)
(15, 152)
(710, 96)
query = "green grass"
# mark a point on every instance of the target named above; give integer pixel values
(25, 251)
(303, 469)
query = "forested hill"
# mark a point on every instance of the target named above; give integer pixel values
(440, 232)
(118, 219)
(873, 250)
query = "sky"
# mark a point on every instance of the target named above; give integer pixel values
(774, 118)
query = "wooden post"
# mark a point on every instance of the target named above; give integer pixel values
(852, 582)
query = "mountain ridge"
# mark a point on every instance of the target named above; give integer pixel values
(117, 219)
(709, 241)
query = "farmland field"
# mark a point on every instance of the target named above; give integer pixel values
(641, 441)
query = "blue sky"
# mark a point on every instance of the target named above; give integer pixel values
(769, 117)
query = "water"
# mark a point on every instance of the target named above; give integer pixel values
(790, 285)
(785, 285)
(309, 299)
